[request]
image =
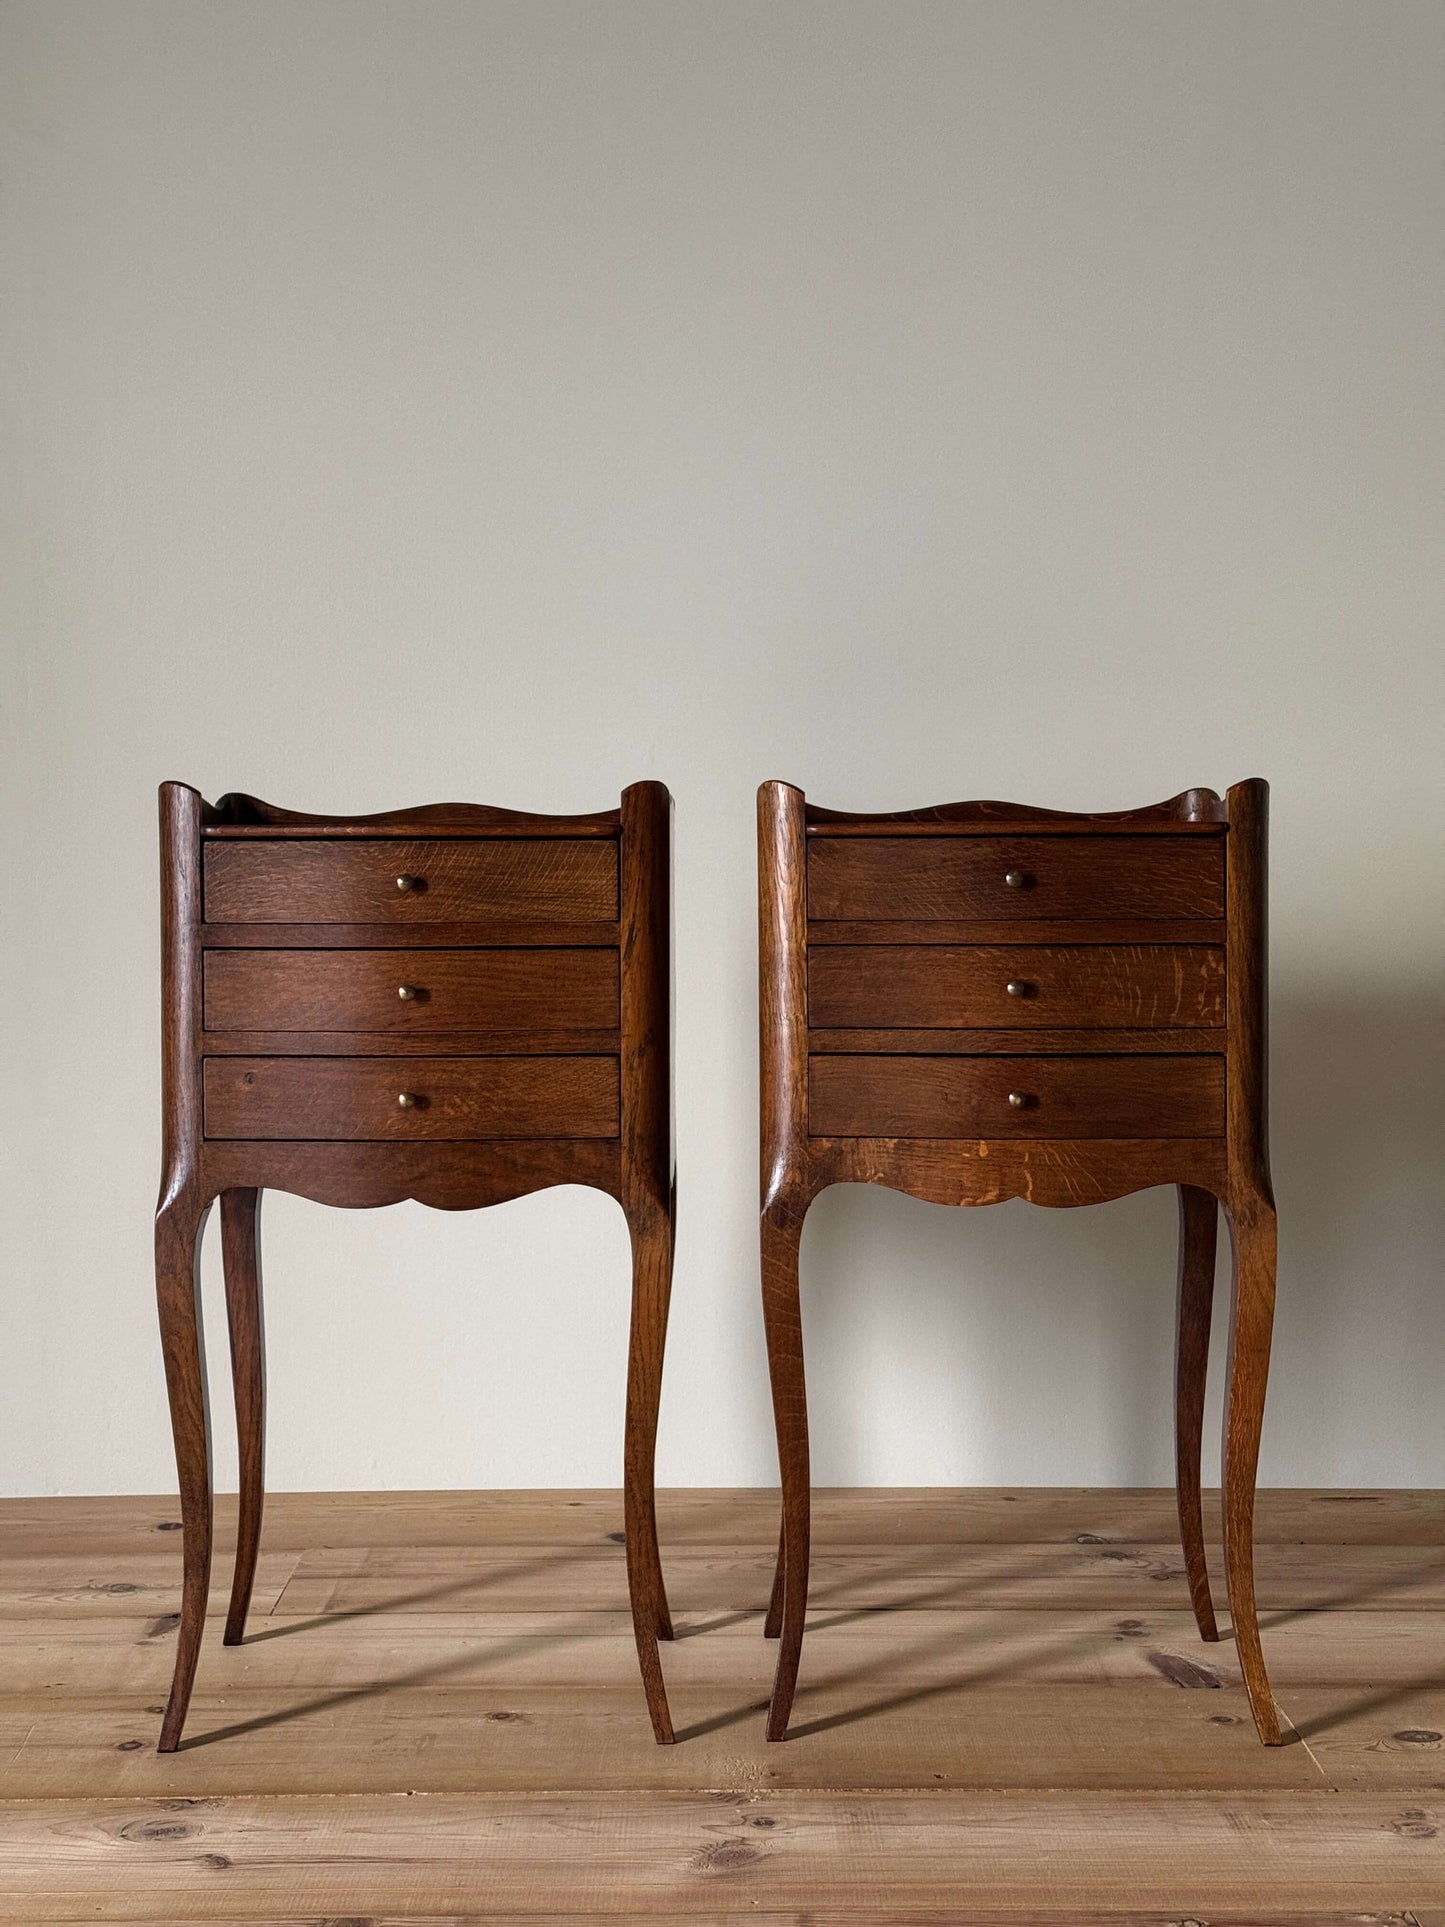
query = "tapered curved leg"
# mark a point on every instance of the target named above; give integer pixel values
(1252, 1230)
(652, 1247)
(179, 1225)
(782, 1230)
(1198, 1229)
(241, 1257)
(773, 1623)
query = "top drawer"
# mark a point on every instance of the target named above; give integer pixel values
(1000, 878)
(441, 880)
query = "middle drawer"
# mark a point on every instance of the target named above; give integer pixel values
(411, 990)
(1015, 986)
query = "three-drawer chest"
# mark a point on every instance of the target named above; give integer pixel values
(980, 1002)
(456, 1004)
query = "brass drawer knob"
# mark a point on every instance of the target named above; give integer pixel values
(1018, 988)
(407, 1100)
(1018, 1099)
(1015, 879)
(407, 993)
(407, 884)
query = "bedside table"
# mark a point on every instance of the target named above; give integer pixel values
(982, 1002)
(455, 1004)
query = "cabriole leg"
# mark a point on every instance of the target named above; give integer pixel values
(241, 1258)
(1252, 1230)
(179, 1225)
(1198, 1229)
(782, 1229)
(651, 1230)
(773, 1623)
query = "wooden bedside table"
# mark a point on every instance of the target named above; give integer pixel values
(981, 1002)
(456, 1004)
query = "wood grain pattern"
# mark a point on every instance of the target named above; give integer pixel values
(179, 1225)
(528, 1041)
(344, 1098)
(1065, 1097)
(1055, 1172)
(269, 881)
(532, 1049)
(1372, 1663)
(894, 1053)
(1198, 1233)
(898, 1040)
(448, 990)
(461, 1675)
(1027, 930)
(1127, 1579)
(582, 1736)
(241, 1262)
(1081, 985)
(1249, 1210)
(912, 1917)
(452, 1175)
(661, 1855)
(1375, 1663)
(649, 1200)
(869, 1918)
(492, 933)
(785, 1193)
(960, 877)
(103, 1530)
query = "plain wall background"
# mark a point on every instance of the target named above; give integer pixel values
(917, 401)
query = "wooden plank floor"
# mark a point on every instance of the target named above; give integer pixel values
(1005, 1716)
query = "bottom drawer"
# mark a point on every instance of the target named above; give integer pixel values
(1044, 1097)
(399, 1098)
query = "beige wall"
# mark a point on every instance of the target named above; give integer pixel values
(506, 401)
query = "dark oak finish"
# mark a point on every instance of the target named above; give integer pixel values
(1198, 1236)
(241, 1262)
(1133, 1044)
(513, 1042)
(1045, 1097)
(456, 1004)
(407, 882)
(1016, 986)
(1026, 930)
(524, 932)
(960, 876)
(380, 1099)
(1016, 1043)
(434, 990)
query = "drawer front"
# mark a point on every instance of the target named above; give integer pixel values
(1064, 1097)
(411, 990)
(446, 880)
(922, 877)
(1016, 986)
(357, 1098)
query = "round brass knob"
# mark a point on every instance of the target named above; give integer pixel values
(1018, 1099)
(407, 993)
(407, 1100)
(1017, 988)
(1015, 879)
(406, 884)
